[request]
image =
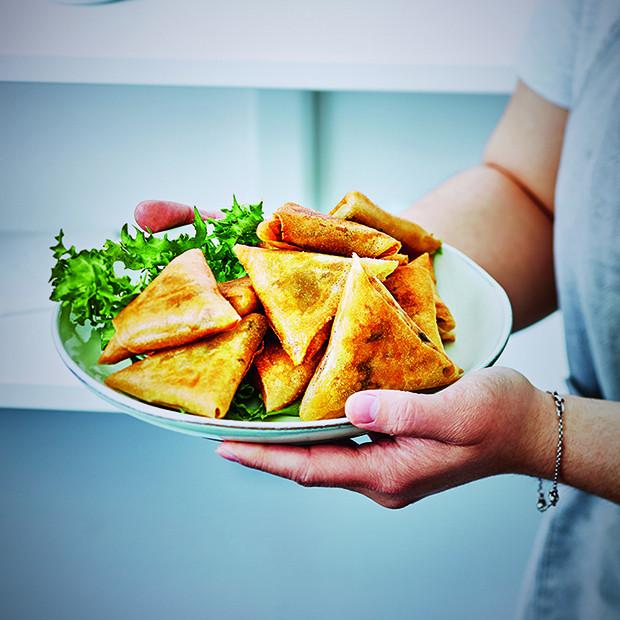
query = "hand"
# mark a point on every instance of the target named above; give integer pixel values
(489, 422)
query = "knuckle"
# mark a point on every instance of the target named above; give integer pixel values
(401, 415)
(306, 475)
(259, 459)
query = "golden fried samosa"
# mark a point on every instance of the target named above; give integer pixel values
(413, 288)
(359, 208)
(241, 295)
(445, 321)
(402, 259)
(295, 227)
(270, 233)
(114, 352)
(183, 303)
(200, 377)
(300, 291)
(373, 345)
(281, 382)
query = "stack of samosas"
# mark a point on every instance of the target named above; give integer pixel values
(332, 304)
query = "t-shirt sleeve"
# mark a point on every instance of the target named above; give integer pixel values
(547, 56)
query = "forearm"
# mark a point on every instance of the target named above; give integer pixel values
(487, 215)
(591, 455)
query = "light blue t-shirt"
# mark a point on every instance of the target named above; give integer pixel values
(571, 57)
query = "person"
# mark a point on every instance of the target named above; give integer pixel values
(541, 213)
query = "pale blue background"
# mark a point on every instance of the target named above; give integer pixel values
(102, 516)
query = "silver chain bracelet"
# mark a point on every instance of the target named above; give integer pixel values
(542, 504)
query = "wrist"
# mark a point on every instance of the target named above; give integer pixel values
(538, 436)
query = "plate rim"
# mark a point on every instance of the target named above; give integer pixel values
(133, 405)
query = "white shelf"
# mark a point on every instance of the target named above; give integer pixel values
(32, 375)
(395, 45)
(248, 74)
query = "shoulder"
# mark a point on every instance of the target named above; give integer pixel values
(549, 50)
(563, 43)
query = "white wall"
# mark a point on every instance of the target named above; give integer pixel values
(396, 147)
(450, 45)
(79, 157)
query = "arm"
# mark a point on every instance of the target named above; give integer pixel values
(591, 459)
(501, 212)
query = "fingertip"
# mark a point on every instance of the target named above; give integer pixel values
(211, 215)
(138, 213)
(362, 409)
(391, 412)
(226, 452)
(245, 453)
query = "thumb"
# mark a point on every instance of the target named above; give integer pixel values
(399, 413)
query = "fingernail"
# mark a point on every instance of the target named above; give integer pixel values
(225, 453)
(362, 408)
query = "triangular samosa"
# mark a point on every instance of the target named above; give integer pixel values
(114, 352)
(295, 227)
(241, 295)
(238, 292)
(359, 208)
(183, 303)
(200, 377)
(300, 291)
(281, 382)
(413, 288)
(445, 321)
(373, 345)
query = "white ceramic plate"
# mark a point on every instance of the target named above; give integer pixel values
(483, 323)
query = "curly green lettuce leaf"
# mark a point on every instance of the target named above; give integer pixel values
(237, 226)
(95, 285)
(86, 282)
